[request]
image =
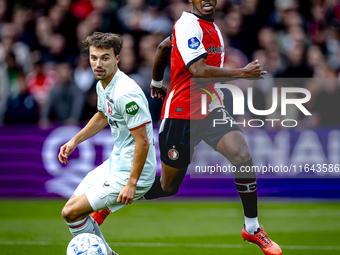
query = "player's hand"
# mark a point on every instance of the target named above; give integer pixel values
(127, 194)
(65, 151)
(159, 92)
(253, 70)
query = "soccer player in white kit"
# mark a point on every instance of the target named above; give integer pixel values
(130, 171)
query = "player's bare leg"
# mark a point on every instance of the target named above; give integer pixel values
(76, 214)
(168, 183)
(76, 209)
(171, 179)
(234, 147)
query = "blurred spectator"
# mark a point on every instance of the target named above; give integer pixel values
(266, 38)
(317, 24)
(3, 13)
(128, 60)
(277, 16)
(131, 14)
(4, 91)
(21, 107)
(154, 22)
(328, 100)
(83, 30)
(65, 102)
(177, 7)
(296, 64)
(147, 50)
(84, 79)
(10, 43)
(90, 106)
(40, 81)
(24, 23)
(56, 52)
(83, 74)
(64, 23)
(44, 32)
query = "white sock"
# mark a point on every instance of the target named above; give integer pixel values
(99, 233)
(87, 225)
(251, 225)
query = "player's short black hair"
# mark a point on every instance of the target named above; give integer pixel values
(105, 41)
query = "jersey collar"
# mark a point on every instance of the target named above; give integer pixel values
(114, 80)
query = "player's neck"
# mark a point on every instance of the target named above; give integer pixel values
(209, 17)
(109, 79)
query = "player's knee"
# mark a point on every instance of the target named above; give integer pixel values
(240, 156)
(68, 214)
(170, 190)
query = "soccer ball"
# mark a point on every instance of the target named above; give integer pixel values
(86, 244)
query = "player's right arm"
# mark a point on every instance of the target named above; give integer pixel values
(161, 61)
(189, 42)
(200, 69)
(96, 124)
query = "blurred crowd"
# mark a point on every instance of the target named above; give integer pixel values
(46, 77)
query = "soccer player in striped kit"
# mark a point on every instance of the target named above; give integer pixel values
(198, 52)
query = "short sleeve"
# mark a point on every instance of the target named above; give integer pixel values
(189, 41)
(134, 109)
(99, 98)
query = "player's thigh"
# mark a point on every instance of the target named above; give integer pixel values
(225, 138)
(97, 176)
(234, 147)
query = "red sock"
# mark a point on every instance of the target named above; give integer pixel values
(100, 215)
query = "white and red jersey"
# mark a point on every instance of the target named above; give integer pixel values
(193, 38)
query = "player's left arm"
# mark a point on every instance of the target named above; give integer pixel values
(162, 58)
(142, 145)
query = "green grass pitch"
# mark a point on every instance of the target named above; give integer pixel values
(175, 227)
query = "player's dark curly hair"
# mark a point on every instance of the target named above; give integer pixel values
(105, 41)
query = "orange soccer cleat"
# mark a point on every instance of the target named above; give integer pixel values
(100, 216)
(261, 238)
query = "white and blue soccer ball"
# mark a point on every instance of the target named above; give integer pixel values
(86, 244)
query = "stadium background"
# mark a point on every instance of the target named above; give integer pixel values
(47, 93)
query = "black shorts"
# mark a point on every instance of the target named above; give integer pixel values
(178, 137)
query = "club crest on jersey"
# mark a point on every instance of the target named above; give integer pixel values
(173, 154)
(193, 43)
(109, 108)
(132, 108)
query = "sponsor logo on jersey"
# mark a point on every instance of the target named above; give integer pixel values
(193, 43)
(113, 123)
(109, 108)
(109, 99)
(209, 30)
(173, 154)
(214, 50)
(132, 108)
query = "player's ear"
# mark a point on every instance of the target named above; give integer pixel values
(190, 1)
(118, 58)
